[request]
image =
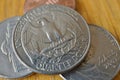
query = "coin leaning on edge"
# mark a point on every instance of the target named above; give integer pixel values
(10, 65)
(102, 61)
(46, 41)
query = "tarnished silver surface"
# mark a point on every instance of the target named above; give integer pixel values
(102, 61)
(54, 39)
(10, 67)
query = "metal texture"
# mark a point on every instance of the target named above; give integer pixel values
(10, 67)
(102, 61)
(30, 4)
(51, 39)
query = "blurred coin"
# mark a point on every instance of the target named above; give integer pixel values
(10, 67)
(102, 61)
(54, 39)
(30, 4)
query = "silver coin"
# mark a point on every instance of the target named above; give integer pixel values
(10, 67)
(103, 60)
(51, 39)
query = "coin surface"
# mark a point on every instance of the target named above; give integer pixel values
(30, 4)
(10, 67)
(102, 61)
(54, 39)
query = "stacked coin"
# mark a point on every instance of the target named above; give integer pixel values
(54, 39)
(102, 61)
(9, 62)
(30, 4)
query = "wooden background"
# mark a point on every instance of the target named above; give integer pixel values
(105, 13)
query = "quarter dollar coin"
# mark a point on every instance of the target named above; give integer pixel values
(54, 39)
(10, 67)
(102, 61)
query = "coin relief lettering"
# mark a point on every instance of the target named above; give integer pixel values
(109, 61)
(22, 22)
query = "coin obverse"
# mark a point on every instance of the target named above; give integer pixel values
(102, 61)
(10, 67)
(51, 39)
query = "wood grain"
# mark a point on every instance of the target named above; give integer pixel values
(105, 13)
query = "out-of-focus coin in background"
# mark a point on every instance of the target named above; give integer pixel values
(29, 4)
(10, 67)
(102, 61)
